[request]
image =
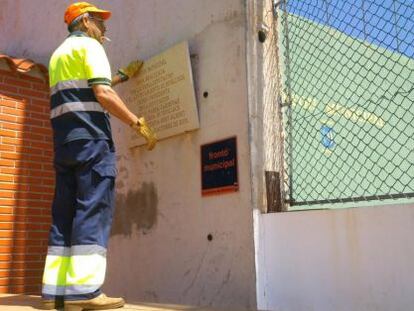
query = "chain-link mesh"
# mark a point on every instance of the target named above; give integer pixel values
(348, 89)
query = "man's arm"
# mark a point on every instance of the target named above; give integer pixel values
(110, 100)
(127, 72)
(116, 79)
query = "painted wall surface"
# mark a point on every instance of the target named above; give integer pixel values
(159, 251)
(358, 259)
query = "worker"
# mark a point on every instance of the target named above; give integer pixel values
(84, 160)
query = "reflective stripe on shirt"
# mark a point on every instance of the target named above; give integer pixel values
(75, 106)
(69, 84)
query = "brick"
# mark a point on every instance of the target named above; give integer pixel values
(17, 82)
(24, 289)
(28, 227)
(6, 210)
(13, 126)
(40, 235)
(10, 234)
(43, 103)
(48, 182)
(26, 203)
(40, 219)
(27, 164)
(19, 281)
(8, 133)
(48, 153)
(11, 96)
(42, 130)
(12, 141)
(31, 121)
(7, 202)
(27, 195)
(41, 145)
(30, 150)
(48, 166)
(32, 93)
(26, 172)
(41, 86)
(40, 116)
(20, 242)
(47, 197)
(40, 159)
(14, 111)
(10, 155)
(7, 148)
(6, 194)
(33, 79)
(8, 88)
(14, 186)
(20, 273)
(20, 257)
(8, 118)
(30, 136)
(6, 226)
(6, 163)
(34, 203)
(6, 178)
(38, 109)
(7, 217)
(11, 249)
(4, 289)
(37, 249)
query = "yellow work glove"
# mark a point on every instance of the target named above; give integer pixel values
(131, 70)
(142, 128)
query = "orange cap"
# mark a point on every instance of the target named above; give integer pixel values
(79, 8)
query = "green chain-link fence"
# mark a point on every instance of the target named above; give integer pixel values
(348, 99)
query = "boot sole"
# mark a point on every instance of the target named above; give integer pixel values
(87, 308)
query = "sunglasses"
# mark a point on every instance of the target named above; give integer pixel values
(100, 20)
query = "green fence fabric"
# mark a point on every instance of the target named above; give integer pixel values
(347, 100)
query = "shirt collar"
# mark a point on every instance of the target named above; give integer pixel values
(78, 33)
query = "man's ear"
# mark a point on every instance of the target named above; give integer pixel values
(85, 20)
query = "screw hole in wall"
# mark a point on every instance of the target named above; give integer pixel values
(262, 36)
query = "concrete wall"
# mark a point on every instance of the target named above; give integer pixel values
(159, 250)
(358, 259)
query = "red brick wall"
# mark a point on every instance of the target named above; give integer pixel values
(26, 181)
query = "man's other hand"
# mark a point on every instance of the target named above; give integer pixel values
(143, 129)
(132, 69)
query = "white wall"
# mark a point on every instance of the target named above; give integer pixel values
(159, 250)
(358, 259)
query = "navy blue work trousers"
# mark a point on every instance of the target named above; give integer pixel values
(82, 214)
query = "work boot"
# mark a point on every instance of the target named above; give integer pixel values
(102, 302)
(51, 304)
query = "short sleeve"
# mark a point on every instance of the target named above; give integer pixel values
(97, 67)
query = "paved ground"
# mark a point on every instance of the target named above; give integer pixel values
(26, 303)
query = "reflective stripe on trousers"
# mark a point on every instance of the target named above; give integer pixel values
(82, 212)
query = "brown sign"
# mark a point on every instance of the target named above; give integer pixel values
(163, 92)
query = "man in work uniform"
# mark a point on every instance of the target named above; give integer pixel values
(81, 97)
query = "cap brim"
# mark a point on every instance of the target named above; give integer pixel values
(102, 13)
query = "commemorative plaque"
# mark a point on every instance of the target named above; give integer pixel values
(219, 167)
(163, 92)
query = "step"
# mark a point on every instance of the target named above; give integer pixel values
(9, 302)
